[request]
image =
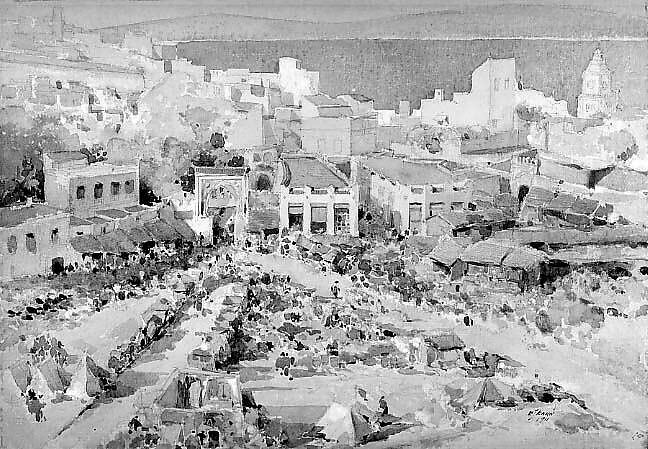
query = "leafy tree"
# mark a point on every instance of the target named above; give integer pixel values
(21, 160)
(217, 140)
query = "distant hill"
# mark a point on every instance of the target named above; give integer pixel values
(470, 22)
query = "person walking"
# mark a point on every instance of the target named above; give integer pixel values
(335, 289)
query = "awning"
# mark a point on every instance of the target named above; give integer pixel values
(161, 231)
(341, 206)
(182, 228)
(124, 243)
(296, 209)
(139, 235)
(86, 244)
(109, 243)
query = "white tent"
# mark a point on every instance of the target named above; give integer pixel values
(39, 385)
(83, 384)
(337, 424)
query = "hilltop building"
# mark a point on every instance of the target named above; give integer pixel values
(596, 97)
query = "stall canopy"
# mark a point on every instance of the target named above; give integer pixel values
(161, 231)
(124, 243)
(182, 228)
(86, 244)
(109, 244)
(139, 235)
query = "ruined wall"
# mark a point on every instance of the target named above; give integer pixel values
(392, 70)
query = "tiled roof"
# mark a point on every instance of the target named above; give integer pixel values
(561, 203)
(524, 257)
(583, 206)
(310, 172)
(487, 252)
(538, 197)
(408, 172)
(447, 251)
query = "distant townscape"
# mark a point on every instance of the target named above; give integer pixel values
(196, 257)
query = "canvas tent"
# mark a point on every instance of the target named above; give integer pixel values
(85, 380)
(344, 424)
(487, 392)
(57, 378)
(21, 373)
(39, 384)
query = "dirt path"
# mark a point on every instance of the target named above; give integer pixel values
(96, 427)
(298, 271)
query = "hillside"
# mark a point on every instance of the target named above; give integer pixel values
(471, 22)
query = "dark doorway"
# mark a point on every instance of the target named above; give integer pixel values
(214, 439)
(296, 218)
(263, 182)
(523, 191)
(58, 265)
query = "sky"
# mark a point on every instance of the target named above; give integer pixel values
(100, 13)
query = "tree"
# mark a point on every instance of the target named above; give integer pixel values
(217, 140)
(21, 160)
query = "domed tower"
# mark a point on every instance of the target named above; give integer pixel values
(596, 95)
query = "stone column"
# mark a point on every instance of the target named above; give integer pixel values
(353, 210)
(283, 208)
(330, 210)
(307, 211)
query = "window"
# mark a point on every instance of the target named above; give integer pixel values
(54, 236)
(496, 84)
(437, 189)
(129, 186)
(115, 187)
(59, 85)
(30, 242)
(12, 244)
(80, 192)
(506, 84)
(98, 190)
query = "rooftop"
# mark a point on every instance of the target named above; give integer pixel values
(66, 156)
(309, 171)
(408, 172)
(359, 97)
(324, 100)
(227, 171)
(98, 220)
(10, 217)
(112, 213)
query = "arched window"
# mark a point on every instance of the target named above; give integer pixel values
(263, 182)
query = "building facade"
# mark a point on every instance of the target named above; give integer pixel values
(34, 240)
(220, 206)
(83, 188)
(316, 198)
